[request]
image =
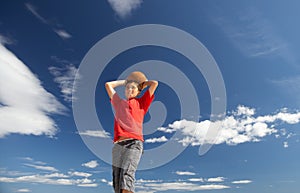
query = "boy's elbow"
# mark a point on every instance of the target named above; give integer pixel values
(107, 85)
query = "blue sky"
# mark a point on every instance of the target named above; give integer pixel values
(43, 47)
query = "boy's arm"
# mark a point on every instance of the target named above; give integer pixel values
(152, 86)
(110, 86)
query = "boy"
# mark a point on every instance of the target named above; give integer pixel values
(128, 136)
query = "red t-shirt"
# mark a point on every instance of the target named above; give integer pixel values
(129, 115)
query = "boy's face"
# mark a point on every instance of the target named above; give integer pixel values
(131, 90)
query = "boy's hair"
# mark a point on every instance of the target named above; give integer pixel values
(139, 84)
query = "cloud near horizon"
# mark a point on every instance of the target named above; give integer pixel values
(25, 106)
(40, 175)
(50, 176)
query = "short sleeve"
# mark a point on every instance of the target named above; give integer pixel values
(146, 100)
(115, 99)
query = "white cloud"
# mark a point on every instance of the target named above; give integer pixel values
(37, 178)
(50, 176)
(25, 105)
(217, 179)
(91, 164)
(5, 40)
(33, 10)
(60, 32)
(65, 77)
(285, 144)
(124, 8)
(240, 126)
(147, 181)
(23, 190)
(39, 167)
(81, 174)
(109, 183)
(242, 182)
(242, 110)
(165, 130)
(88, 185)
(185, 173)
(53, 179)
(196, 180)
(156, 140)
(95, 133)
(183, 186)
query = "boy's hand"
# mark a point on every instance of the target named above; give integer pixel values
(152, 85)
(141, 86)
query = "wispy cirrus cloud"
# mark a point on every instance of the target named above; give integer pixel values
(290, 87)
(62, 33)
(64, 77)
(25, 106)
(95, 133)
(124, 8)
(252, 33)
(42, 167)
(5, 40)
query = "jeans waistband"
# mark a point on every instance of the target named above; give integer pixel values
(126, 142)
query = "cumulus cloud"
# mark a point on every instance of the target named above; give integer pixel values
(165, 130)
(91, 164)
(156, 140)
(240, 126)
(216, 179)
(25, 106)
(124, 8)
